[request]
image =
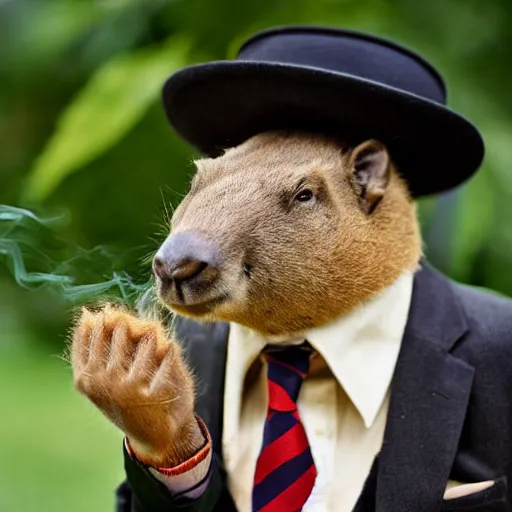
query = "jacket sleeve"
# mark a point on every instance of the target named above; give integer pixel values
(142, 492)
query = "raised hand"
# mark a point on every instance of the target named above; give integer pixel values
(135, 375)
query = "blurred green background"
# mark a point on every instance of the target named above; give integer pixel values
(85, 147)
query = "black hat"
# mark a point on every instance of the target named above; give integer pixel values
(333, 81)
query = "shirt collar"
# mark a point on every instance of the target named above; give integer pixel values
(360, 348)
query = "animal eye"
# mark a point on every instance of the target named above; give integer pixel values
(304, 195)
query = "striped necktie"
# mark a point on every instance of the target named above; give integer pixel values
(285, 470)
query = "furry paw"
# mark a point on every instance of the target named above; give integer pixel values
(135, 375)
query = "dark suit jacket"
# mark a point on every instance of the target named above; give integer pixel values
(450, 414)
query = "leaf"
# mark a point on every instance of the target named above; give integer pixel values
(110, 104)
(473, 218)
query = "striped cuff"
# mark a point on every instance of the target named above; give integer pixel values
(190, 478)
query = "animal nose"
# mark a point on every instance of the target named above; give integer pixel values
(184, 256)
(180, 270)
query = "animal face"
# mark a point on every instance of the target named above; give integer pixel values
(286, 232)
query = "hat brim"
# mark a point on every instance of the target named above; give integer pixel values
(221, 104)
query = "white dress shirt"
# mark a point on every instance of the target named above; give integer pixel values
(343, 409)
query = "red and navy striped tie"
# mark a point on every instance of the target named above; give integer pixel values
(285, 470)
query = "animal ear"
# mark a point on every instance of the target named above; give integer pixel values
(370, 165)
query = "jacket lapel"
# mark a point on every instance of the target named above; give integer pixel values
(429, 397)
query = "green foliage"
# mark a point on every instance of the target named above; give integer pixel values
(113, 101)
(57, 452)
(473, 216)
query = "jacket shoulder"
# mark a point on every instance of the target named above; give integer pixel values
(488, 343)
(486, 310)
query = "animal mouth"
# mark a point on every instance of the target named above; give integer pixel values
(200, 308)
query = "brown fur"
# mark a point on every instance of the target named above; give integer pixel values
(286, 267)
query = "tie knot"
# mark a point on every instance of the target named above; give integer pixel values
(286, 369)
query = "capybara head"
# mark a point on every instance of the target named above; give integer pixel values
(287, 232)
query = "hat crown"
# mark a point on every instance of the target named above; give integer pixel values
(360, 55)
(337, 82)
